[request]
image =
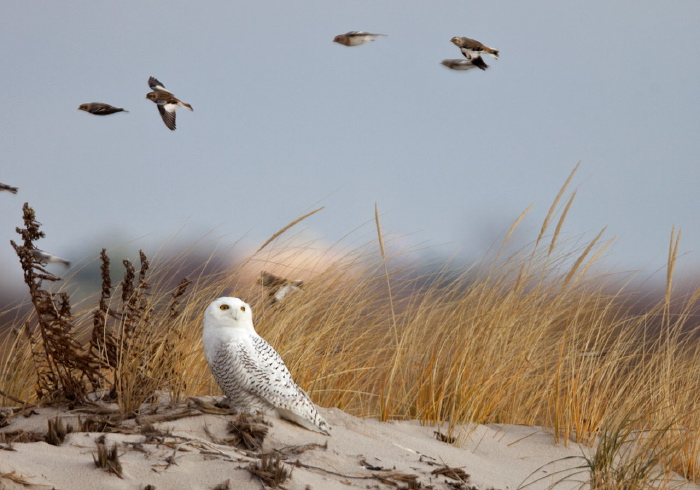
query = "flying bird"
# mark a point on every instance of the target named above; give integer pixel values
(47, 258)
(100, 109)
(249, 371)
(279, 286)
(5, 187)
(166, 101)
(355, 38)
(459, 64)
(472, 50)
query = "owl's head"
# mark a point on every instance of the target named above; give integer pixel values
(228, 312)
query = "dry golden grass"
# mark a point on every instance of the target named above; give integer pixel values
(531, 337)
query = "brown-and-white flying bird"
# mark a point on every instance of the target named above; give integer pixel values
(472, 50)
(279, 287)
(355, 38)
(165, 100)
(458, 64)
(100, 109)
(9, 188)
(47, 258)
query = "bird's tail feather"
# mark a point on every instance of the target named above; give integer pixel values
(321, 426)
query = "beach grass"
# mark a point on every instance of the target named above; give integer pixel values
(542, 335)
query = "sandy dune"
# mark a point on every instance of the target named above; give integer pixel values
(188, 452)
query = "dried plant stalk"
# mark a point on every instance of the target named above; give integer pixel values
(63, 370)
(302, 218)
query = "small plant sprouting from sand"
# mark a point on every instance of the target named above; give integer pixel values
(107, 458)
(57, 431)
(247, 431)
(270, 470)
(225, 485)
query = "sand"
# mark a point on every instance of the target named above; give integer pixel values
(189, 453)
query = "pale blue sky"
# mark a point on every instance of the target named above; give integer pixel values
(285, 121)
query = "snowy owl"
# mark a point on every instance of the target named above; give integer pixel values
(249, 371)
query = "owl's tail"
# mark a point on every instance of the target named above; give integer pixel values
(312, 421)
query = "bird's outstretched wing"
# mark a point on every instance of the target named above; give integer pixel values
(105, 109)
(167, 112)
(479, 62)
(156, 85)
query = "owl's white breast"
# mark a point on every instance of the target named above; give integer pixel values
(214, 336)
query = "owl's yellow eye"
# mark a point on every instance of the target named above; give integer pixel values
(224, 307)
(242, 308)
